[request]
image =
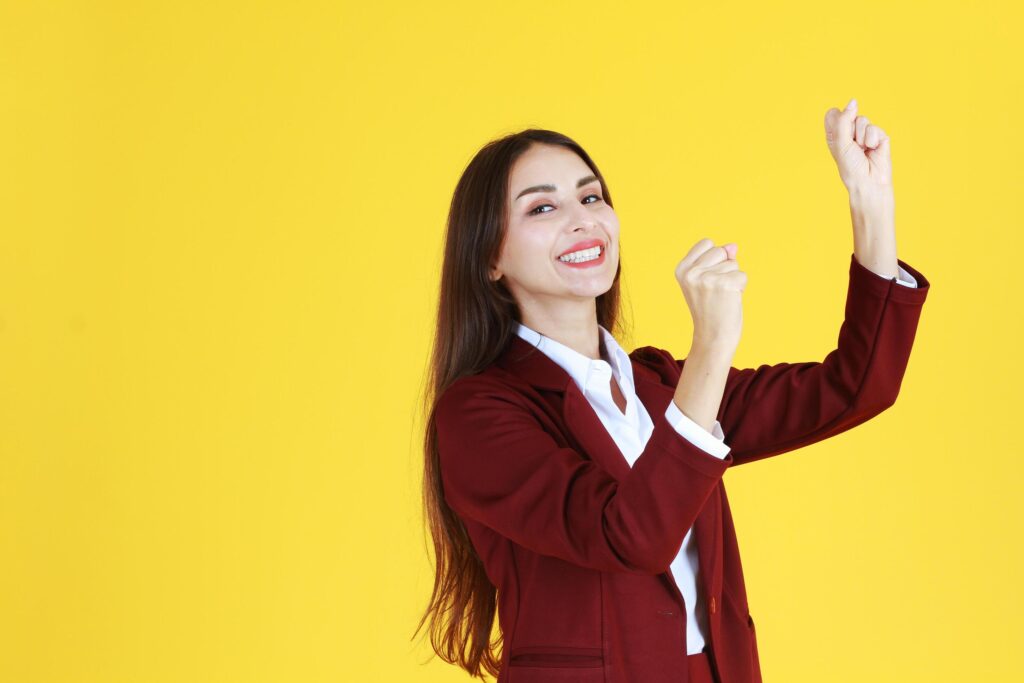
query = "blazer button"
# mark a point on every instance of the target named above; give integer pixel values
(712, 604)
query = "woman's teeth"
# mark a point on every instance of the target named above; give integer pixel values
(581, 256)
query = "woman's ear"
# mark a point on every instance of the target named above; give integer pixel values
(495, 274)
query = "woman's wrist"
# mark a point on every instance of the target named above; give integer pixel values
(874, 213)
(702, 382)
(874, 232)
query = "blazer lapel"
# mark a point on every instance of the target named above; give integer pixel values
(583, 424)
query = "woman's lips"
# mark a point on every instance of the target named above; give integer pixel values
(586, 264)
(585, 244)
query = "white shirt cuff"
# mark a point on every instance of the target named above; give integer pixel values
(904, 278)
(712, 442)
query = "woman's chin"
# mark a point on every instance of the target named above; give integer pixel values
(590, 290)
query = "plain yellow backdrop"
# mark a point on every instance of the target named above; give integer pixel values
(220, 241)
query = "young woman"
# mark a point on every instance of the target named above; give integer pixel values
(574, 490)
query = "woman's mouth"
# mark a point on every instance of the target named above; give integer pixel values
(584, 258)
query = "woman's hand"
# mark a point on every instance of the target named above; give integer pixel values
(861, 151)
(712, 284)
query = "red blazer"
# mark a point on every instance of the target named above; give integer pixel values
(579, 544)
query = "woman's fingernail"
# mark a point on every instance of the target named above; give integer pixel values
(851, 105)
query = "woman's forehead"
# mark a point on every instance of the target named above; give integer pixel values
(555, 171)
(544, 162)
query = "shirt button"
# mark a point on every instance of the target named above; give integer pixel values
(712, 604)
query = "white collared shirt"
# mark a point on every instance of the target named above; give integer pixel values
(631, 431)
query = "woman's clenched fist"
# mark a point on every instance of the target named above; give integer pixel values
(712, 285)
(861, 152)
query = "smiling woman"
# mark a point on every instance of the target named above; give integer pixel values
(573, 491)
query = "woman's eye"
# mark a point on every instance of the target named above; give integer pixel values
(535, 210)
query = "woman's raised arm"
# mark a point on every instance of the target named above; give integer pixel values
(773, 409)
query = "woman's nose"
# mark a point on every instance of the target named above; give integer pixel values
(581, 217)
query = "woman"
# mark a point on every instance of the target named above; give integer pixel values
(575, 489)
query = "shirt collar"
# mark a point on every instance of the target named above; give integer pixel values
(581, 368)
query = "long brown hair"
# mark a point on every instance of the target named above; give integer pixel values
(476, 319)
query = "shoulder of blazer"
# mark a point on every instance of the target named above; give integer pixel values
(658, 364)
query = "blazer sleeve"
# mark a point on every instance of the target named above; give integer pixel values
(500, 467)
(774, 409)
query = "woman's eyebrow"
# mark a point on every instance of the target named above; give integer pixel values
(551, 188)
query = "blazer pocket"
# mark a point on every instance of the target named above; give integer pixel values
(558, 657)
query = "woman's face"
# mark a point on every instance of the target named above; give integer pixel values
(556, 203)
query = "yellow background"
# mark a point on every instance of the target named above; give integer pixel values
(220, 240)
